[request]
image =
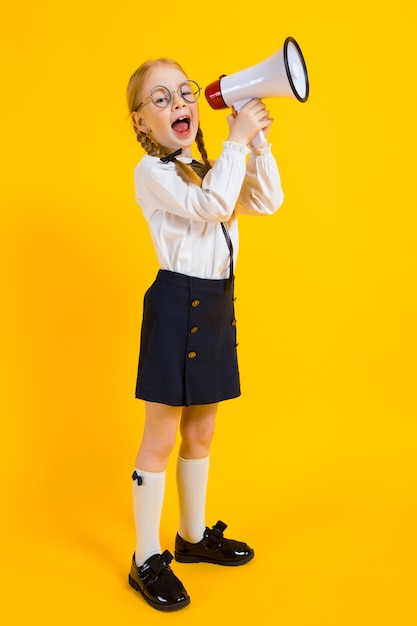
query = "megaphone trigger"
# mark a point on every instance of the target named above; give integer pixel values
(239, 105)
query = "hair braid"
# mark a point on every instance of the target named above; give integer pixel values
(148, 143)
(202, 148)
(185, 171)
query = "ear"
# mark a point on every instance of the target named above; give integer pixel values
(139, 122)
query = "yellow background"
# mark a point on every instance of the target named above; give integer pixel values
(315, 465)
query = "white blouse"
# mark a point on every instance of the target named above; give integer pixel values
(184, 219)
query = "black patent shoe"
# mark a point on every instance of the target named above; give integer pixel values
(158, 584)
(213, 548)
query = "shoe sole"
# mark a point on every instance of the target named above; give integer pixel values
(156, 605)
(201, 559)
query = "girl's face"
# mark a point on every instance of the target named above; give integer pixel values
(176, 125)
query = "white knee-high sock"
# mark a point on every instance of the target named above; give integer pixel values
(192, 477)
(148, 497)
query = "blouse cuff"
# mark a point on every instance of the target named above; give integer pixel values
(236, 147)
(262, 151)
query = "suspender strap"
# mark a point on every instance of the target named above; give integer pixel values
(230, 246)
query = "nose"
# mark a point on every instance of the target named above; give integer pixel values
(177, 101)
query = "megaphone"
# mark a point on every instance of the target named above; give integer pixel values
(282, 75)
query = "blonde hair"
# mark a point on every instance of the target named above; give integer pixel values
(148, 143)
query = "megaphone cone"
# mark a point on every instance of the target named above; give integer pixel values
(283, 74)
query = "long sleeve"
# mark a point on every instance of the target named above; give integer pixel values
(261, 192)
(158, 187)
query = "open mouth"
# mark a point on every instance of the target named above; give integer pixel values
(182, 124)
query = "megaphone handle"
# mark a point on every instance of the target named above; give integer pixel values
(260, 138)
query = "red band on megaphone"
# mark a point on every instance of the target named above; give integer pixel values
(214, 95)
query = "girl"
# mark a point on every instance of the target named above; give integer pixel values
(188, 361)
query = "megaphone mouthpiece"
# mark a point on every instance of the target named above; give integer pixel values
(213, 94)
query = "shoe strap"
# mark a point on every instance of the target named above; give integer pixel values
(215, 535)
(162, 560)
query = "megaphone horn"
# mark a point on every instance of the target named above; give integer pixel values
(284, 74)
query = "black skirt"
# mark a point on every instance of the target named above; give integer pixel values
(188, 341)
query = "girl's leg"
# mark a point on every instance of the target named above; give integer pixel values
(195, 542)
(150, 573)
(159, 436)
(197, 429)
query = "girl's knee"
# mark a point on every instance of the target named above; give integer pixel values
(154, 456)
(196, 439)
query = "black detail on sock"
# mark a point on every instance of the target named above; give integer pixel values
(135, 476)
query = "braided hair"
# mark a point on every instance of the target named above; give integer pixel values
(148, 143)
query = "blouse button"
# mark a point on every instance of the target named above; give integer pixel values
(234, 323)
(195, 303)
(192, 355)
(194, 329)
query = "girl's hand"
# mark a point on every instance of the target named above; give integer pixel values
(251, 119)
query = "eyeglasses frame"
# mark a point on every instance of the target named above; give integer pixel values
(171, 93)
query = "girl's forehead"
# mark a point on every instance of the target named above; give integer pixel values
(166, 75)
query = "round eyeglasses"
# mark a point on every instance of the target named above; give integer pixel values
(162, 97)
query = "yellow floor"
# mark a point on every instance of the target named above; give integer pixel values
(334, 547)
